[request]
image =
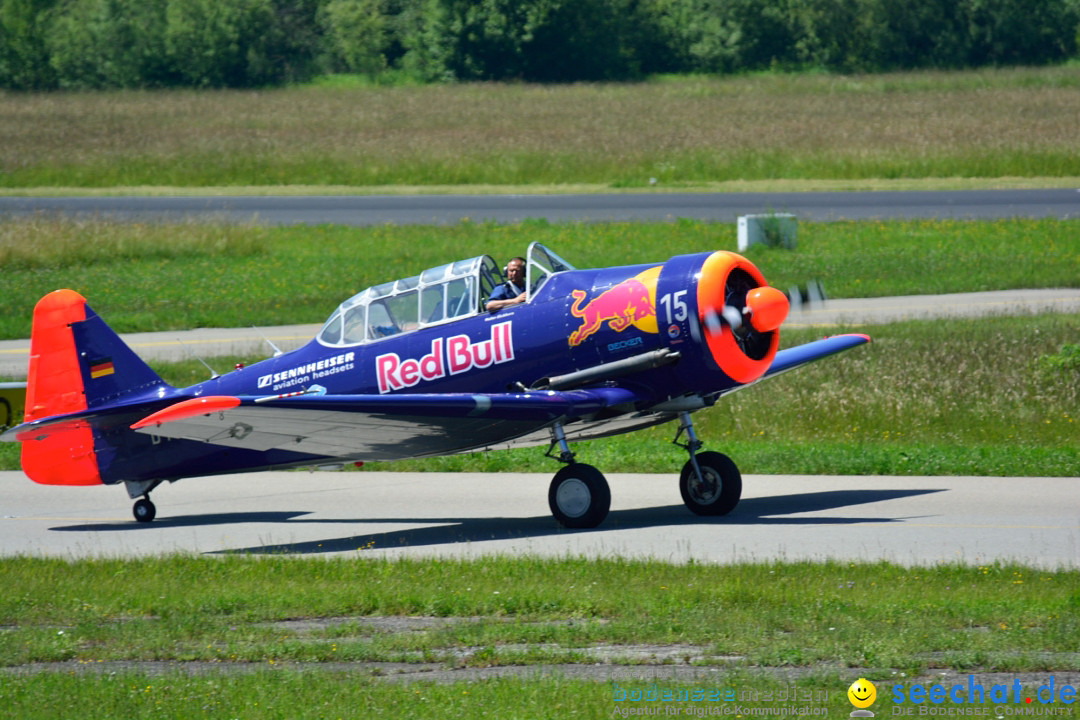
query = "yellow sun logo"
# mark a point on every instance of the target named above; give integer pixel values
(862, 693)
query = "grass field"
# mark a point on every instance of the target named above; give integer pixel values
(143, 277)
(754, 624)
(144, 610)
(759, 627)
(679, 131)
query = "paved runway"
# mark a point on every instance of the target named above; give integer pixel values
(592, 207)
(909, 520)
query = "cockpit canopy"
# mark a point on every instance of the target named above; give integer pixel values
(435, 296)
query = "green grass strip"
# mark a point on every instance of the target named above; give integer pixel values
(230, 609)
(151, 276)
(315, 695)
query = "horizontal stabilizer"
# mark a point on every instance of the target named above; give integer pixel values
(188, 408)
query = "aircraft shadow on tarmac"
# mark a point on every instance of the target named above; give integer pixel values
(776, 510)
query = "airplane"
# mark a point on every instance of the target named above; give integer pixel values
(415, 368)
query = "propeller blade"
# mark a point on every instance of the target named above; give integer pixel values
(729, 315)
(810, 296)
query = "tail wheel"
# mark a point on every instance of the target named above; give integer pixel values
(579, 496)
(719, 488)
(144, 510)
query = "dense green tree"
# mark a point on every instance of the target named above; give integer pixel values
(24, 56)
(1005, 32)
(238, 43)
(587, 40)
(110, 43)
(489, 39)
(354, 36)
(697, 35)
(421, 27)
(217, 43)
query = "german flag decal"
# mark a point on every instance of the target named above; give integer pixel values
(101, 368)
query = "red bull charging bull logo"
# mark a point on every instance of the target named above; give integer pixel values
(630, 303)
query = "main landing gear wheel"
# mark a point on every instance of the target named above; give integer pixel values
(579, 496)
(144, 510)
(719, 488)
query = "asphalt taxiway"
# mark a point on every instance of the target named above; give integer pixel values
(907, 520)
(561, 207)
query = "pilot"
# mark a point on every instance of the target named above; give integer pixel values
(511, 292)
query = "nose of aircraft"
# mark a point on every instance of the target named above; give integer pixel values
(768, 308)
(740, 313)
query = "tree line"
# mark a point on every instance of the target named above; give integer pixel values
(50, 44)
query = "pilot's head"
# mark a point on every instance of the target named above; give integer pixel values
(515, 271)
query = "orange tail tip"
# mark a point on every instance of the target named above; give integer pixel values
(54, 381)
(55, 387)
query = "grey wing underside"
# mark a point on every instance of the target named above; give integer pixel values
(390, 428)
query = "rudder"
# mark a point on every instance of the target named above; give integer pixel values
(76, 363)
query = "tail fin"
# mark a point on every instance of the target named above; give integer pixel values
(77, 363)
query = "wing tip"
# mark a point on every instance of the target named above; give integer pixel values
(861, 336)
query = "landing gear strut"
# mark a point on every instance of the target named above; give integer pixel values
(710, 483)
(579, 496)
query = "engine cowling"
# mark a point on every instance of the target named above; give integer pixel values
(740, 315)
(721, 302)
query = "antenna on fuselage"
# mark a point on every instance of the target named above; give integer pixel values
(213, 373)
(277, 350)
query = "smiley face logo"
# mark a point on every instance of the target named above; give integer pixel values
(862, 693)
